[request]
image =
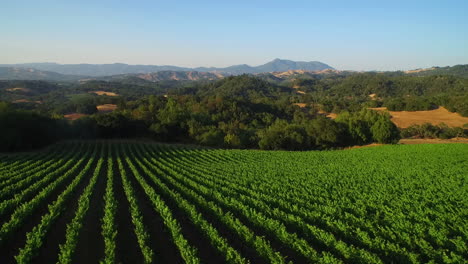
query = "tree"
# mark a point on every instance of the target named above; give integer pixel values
(212, 137)
(86, 108)
(325, 133)
(24, 130)
(282, 135)
(358, 127)
(232, 140)
(384, 131)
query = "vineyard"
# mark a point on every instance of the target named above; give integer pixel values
(140, 202)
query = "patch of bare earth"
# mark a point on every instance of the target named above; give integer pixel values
(420, 70)
(365, 146)
(174, 77)
(106, 107)
(296, 87)
(19, 101)
(26, 90)
(219, 75)
(288, 73)
(414, 141)
(329, 115)
(411, 141)
(405, 119)
(74, 116)
(301, 105)
(104, 93)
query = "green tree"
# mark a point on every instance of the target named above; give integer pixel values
(325, 133)
(384, 131)
(282, 135)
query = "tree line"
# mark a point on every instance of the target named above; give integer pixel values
(240, 112)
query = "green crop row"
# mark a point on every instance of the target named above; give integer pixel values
(35, 238)
(389, 204)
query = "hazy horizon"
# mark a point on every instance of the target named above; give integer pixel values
(204, 66)
(360, 36)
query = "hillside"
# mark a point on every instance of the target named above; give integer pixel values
(404, 119)
(96, 69)
(121, 68)
(165, 76)
(17, 73)
(275, 71)
(457, 70)
(27, 87)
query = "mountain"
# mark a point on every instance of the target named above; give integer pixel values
(15, 73)
(279, 65)
(96, 70)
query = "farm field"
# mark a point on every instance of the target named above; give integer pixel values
(141, 202)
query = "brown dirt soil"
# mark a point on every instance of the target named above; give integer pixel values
(106, 107)
(26, 90)
(414, 141)
(420, 70)
(365, 146)
(74, 116)
(297, 91)
(26, 101)
(285, 74)
(104, 93)
(301, 105)
(288, 73)
(410, 141)
(405, 119)
(329, 115)
(21, 101)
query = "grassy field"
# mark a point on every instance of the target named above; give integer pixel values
(135, 202)
(403, 119)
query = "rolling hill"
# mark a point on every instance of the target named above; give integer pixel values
(96, 70)
(164, 76)
(16, 73)
(457, 70)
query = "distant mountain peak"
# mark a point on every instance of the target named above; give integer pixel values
(281, 65)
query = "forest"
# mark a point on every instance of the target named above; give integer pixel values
(246, 111)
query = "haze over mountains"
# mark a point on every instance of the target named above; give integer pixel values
(95, 70)
(19, 73)
(275, 70)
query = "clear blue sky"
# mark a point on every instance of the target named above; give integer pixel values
(355, 35)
